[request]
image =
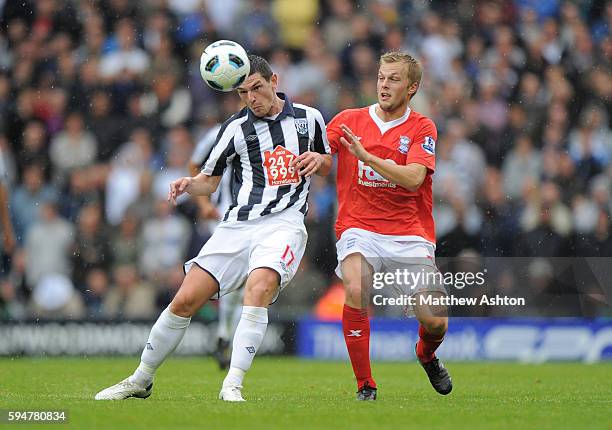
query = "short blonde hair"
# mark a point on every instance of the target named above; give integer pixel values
(414, 67)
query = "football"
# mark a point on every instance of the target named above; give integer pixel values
(224, 65)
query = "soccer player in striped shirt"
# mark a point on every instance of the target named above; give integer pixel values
(262, 237)
(386, 158)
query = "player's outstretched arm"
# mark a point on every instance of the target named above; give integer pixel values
(199, 185)
(409, 177)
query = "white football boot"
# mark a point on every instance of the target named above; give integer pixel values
(231, 394)
(123, 390)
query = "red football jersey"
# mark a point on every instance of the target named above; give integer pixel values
(366, 199)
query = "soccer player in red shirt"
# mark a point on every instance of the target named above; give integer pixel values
(386, 157)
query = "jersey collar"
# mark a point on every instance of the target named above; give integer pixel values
(386, 126)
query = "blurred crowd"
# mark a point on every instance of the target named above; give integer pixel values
(101, 104)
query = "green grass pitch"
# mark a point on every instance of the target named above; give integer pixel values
(291, 394)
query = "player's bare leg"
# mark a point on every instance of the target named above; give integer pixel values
(433, 323)
(167, 332)
(357, 279)
(261, 288)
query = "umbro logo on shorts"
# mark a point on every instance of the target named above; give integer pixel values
(354, 333)
(149, 346)
(251, 349)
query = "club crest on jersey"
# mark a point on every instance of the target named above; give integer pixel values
(301, 125)
(429, 145)
(404, 144)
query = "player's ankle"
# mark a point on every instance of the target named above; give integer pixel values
(234, 377)
(424, 357)
(366, 382)
(143, 375)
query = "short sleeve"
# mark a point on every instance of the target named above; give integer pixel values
(222, 154)
(423, 148)
(320, 141)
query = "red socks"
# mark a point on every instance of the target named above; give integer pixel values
(356, 328)
(427, 345)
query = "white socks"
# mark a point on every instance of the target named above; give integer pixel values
(166, 334)
(247, 339)
(169, 329)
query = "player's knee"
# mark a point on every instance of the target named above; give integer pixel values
(261, 292)
(353, 292)
(183, 306)
(435, 325)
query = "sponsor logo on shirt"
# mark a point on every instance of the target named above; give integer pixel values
(277, 167)
(369, 178)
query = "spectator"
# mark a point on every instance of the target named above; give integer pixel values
(296, 21)
(590, 144)
(95, 291)
(72, 148)
(48, 246)
(130, 298)
(522, 164)
(92, 248)
(80, 192)
(27, 199)
(179, 147)
(104, 125)
(128, 61)
(124, 243)
(54, 297)
(169, 103)
(34, 145)
(164, 240)
(122, 184)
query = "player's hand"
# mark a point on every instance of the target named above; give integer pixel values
(178, 188)
(307, 163)
(353, 144)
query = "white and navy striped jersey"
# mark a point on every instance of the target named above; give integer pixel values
(222, 197)
(259, 151)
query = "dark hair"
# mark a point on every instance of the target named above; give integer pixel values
(260, 65)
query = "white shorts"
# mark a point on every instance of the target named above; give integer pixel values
(276, 241)
(390, 253)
